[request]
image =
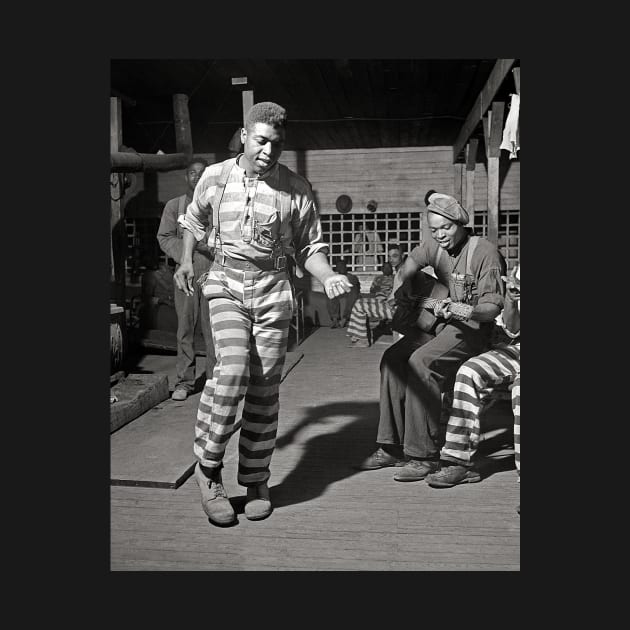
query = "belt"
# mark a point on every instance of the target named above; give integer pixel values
(278, 263)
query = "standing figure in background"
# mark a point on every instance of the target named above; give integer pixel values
(367, 248)
(189, 308)
(334, 304)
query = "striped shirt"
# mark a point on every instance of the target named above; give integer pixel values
(249, 201)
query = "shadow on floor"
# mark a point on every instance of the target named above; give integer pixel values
(331, 456)
(328, 457)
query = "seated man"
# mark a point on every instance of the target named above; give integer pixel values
(334, 304)
(499, 366)
(416, 370)
(375, 305)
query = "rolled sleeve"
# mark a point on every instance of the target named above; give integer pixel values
(308, 238)
(198, 217)
(491, 288)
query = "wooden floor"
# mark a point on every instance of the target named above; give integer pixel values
(327, 516)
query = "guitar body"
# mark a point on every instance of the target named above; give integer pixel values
(408, 318)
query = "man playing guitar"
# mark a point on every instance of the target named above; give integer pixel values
(420, 366)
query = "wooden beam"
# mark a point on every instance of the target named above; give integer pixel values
(115, 124)
(495, 125)
(115, 142)
(248, 101)
(486, 132)
(183, 134)
(496, 129)
(493, 200)
(483, 102)
(471, 163)
(517, 79)
(457, 188)
(124, 162)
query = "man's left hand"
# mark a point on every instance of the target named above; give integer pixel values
(337, 285)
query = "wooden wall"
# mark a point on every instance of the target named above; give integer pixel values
(396, 178)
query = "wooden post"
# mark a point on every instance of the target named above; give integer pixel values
(471, 163)
(457, 188)
(248, 101)
(183, 135)
(117, 288)
(494, 153)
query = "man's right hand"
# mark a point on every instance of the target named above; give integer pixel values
(185, 277)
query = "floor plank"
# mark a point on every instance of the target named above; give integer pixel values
(327, 516)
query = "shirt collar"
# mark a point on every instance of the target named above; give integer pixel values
(270, 175)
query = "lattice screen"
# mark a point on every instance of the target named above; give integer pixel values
(509, 233)
(362, 238)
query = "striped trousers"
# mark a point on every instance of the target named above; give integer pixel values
(366, 307)
(473, 383)
(250, 313)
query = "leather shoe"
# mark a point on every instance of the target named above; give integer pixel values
(416, 470)
(180, 394)
(258, 504)
(381, 459)
(214, 498)
(453, 475)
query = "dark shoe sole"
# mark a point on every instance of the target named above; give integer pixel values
(393, 464)
(444, 484)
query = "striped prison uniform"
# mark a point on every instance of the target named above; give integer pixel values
(250, 311)
(474, 381)
(372, 306)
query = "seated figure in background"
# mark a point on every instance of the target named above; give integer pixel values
(376, 304)
(475, 379)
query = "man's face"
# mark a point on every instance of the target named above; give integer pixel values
(446, 232)
(394, 257)
(262, 146)
(193, 174)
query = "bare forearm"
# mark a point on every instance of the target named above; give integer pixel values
(189, 244)
(317, 265)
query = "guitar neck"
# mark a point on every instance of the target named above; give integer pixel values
(455, 307)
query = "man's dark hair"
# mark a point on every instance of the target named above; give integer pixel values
(268, 113)
(197, 160)
(394, 246)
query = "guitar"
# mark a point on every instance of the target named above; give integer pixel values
(413, 299)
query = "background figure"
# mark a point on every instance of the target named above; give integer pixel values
(334, 305)
(376, 304)
(501, 365)
(367, 247)
(193, 308)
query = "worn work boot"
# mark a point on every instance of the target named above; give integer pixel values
(381, 459)
(214, 498)
(416, 470)
(357, 342)
(258, 504)
(453, 475)
(179, 394)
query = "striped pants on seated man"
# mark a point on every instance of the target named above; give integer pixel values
(473, 384)
(363, 308)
